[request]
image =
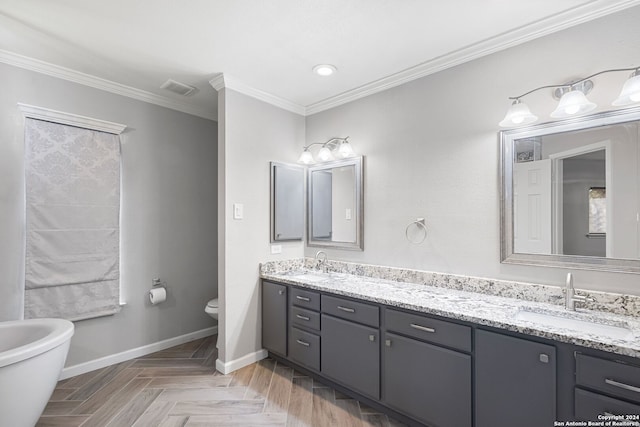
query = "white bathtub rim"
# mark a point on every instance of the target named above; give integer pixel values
(59, 331)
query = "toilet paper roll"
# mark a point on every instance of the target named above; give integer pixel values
(157, 295)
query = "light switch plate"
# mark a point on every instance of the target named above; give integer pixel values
(347, 214)
(238, 210)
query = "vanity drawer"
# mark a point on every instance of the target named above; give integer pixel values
(428, 329)
(306, 299)
(305, 318)
(589, 405)
(351, 310)
(611, 377)
(304, 348)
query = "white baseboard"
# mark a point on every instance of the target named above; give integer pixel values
(92, 365)
(234, 365)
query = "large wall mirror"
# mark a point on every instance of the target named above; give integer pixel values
(287, 202)
(335, 199)
(571, 193)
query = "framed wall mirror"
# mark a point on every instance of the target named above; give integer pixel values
(287, 202)
(335, 204)
(570, 193)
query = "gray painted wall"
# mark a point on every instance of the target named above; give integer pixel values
(251, 134)
(168, 212)
(431, 151)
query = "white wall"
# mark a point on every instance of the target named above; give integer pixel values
(251, 134)
(431, 151)
(168, 212)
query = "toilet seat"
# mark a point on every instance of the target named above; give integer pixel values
(213, 303)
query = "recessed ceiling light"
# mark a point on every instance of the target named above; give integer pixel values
(324, 70)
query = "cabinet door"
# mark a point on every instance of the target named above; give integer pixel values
(515, 382)
(427, 382)
(350, 355)
(274, 318)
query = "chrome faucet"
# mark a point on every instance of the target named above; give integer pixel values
(321, 261)
(570, 297)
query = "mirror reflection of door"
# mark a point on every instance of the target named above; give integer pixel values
(532, 207)
(322, 204)
(581, 175)
(343, 204)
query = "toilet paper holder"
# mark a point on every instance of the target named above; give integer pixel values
(156, 282)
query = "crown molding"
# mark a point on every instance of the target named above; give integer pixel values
(224, 80)
(504, 41)
(49, 115)
(68, 74)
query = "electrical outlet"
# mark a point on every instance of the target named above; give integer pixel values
(347, 214)
(276, 249)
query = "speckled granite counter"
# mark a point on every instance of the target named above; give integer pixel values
(480, 308)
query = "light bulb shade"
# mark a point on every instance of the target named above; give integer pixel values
(306, 158)
(630, 93)
(518, 115)
(346, 150)
(573, 103)
(324, 155)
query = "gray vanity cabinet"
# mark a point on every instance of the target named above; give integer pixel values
(274, 317)
(427, 382)
(350, 355)
(515, 381)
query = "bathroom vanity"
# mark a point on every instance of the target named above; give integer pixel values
(449, 358)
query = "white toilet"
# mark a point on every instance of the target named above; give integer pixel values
(212, 310)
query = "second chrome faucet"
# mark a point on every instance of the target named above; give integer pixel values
(570, 296)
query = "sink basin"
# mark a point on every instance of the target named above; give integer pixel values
(579, 325)
(309, 277)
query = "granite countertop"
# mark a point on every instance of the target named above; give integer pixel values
(490, 310)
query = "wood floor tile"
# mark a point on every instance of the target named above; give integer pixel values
(194, 381)
(323, 402)
(155, 414)
(279, 390)
(175, 421)
(243, 375)
(99, 398)
(259, 384)
(61, 393)
(180, 387)
(114, 405)
(375, 420)
(207, 347)
(207, 394)
(168, 363)
(60, 407)
(133, 409)
(250, 420)
(301, 402)
(99, 381)
(175, 372)
(62, 421)
(225, 407)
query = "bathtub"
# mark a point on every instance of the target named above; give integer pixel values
(32, 355)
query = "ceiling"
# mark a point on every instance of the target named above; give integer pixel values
(268, 48)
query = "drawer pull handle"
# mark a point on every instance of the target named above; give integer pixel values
(347, 309)
(372, 338)
(622, 385)
(281, 292)
(302, 317)
(422, 328)
(387, 343)
(305, 299)
(304, 343)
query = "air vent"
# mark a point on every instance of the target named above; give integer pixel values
(177, 87)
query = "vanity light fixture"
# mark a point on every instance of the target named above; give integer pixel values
(330, 150)
(324, 70)
(573, 99)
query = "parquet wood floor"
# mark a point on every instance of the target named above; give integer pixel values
(179, 387)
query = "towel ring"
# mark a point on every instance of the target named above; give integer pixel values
(419, 222)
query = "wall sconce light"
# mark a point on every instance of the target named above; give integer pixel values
(330, 150)
(573, 99)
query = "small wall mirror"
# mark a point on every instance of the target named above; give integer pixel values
(287, 202)
(335, 204)
(571, 193)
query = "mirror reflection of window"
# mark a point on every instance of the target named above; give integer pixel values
(597, 210)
